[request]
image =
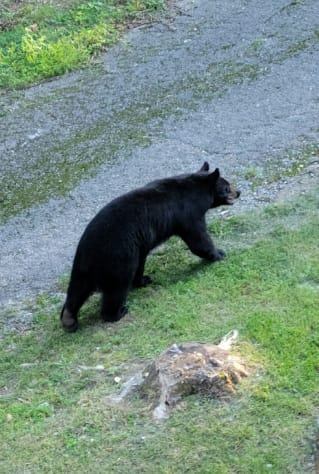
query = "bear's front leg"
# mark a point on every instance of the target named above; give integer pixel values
(140, 280)
(219, 255)
(200, 243)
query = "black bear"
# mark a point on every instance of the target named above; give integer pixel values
(111, 254)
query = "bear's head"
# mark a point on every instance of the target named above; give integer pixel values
(222, 192)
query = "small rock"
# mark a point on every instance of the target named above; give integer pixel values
(99, 367)
(86, 367)
(9, 417)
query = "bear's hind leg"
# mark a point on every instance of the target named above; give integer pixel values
(113, 304)
(77, 294)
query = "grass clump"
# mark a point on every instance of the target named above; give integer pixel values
(55, 411)
(39, 42)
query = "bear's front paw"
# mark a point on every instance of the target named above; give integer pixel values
(219, 254)
(144, 281)
(113, 318)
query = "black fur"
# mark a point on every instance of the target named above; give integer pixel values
(112, 250)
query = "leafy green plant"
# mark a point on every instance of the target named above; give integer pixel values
(60, 40)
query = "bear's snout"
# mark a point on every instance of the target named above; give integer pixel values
(233, 194)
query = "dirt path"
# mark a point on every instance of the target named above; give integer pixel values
(235, 83)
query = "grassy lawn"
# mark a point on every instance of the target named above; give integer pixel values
(55, 412)
(40, 39)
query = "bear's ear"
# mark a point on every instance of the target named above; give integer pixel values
(205, 167)
(215, 175)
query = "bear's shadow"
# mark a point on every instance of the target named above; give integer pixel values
(163, 276)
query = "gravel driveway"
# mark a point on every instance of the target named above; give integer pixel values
(235, 83)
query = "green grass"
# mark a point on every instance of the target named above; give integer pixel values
(55, 412)
(44, 40)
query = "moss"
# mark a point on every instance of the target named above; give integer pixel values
(298, 47)
(255, 47)
(134, 126)
(288, 165)
(60, 168)
(218, 77)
